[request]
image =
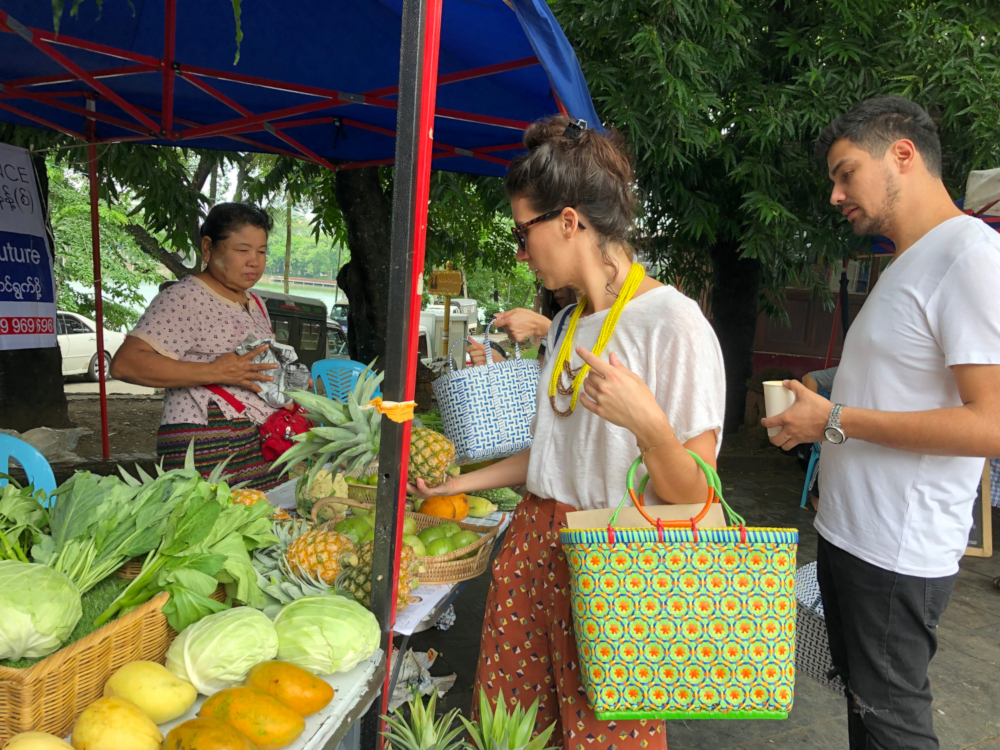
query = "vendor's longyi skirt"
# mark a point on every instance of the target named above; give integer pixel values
(528, 649)
(213, 443)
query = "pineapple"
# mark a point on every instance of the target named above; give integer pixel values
(351, 436)
(356, 579)
(499, 730)
(251, 497)
(432, 457)
(275, 576)
(422, 732)
(322, 554)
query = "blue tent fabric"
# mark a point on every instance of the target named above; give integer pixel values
(350, 46)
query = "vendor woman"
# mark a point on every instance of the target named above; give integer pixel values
(186, 342)
(657, 389)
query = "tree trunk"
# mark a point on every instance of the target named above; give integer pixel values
(735, 290)
(148, 244)
(368, 217)
(213, 186)
(31, 379)
(288, 236)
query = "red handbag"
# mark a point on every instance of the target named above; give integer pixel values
(276, 433)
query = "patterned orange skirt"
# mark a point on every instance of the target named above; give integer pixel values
(528, 649)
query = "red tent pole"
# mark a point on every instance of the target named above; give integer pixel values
(418, 64)
(95, 235)
(169, 46)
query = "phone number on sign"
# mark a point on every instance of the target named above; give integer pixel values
(26, 325)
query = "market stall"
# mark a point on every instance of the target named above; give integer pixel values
(159, 75)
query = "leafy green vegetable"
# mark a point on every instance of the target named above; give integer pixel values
(94, 601)
(39, 607)
(22, 519)
(97, 523)
(205, 541)
(218, 651)
(326, 634)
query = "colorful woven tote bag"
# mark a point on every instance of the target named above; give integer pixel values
(487, 411)
(676, 622)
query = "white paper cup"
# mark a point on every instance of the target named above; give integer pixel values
(777, 398)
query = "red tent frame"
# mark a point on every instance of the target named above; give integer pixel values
(415, 150)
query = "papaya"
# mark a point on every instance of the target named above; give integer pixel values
(264, 720)
(206, 734)
(300, 690)
(450, 507)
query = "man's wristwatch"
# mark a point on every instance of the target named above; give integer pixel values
(834, 433)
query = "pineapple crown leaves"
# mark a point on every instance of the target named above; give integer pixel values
(345, 433)
(499, 730)
(422, 732)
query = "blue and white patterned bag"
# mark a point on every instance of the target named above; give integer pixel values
(812, 647)
(487, 411)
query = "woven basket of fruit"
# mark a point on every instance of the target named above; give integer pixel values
(49, 695)
(362, 483)
(447, 551)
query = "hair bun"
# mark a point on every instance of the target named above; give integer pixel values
(551, 129)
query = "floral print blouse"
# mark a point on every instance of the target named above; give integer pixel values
(190, 322)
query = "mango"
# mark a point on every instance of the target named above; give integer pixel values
(115, 723)
(152, 687)
(206, 734)
(37, 741)
(297, 688)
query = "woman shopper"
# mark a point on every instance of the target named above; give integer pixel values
(656, 389)
(186, 342)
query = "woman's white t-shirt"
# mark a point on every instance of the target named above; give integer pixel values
(664, 338)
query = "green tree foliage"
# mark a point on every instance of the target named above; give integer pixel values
(124, 266)
(721, 102)
(512, 288)
(312, 257)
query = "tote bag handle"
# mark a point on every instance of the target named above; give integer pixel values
(714, 495)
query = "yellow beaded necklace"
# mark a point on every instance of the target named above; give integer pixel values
(628, 290)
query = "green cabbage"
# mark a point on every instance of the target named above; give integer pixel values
(218, 651)
(326, 634)
(39, 607)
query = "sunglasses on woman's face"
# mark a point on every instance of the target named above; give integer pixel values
(520, 230)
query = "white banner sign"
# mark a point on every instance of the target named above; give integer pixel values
(27, 284)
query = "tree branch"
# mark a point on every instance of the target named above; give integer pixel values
(148, 244)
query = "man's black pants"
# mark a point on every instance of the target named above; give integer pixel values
(883, 635)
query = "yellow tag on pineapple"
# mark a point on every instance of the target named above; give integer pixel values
(397, 411)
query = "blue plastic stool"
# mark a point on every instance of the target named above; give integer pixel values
(32, 461)
(810, 471)
(339, 377)
(813, 465)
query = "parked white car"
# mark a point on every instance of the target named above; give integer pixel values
(77, 338)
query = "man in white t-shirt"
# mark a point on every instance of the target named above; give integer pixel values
(914, 410)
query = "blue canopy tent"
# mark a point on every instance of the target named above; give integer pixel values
(343, 84)
(314, 79)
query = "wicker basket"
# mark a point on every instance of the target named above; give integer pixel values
(448, 568)
(131, 569)
(362, 493)
(50, 695)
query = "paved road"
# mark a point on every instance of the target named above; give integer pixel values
(113, 386)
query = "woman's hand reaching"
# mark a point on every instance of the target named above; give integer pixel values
(521, 324)
(421, 490)
(477, 352)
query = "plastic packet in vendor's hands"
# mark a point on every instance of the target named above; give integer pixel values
(297, 377)
(272, 391)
